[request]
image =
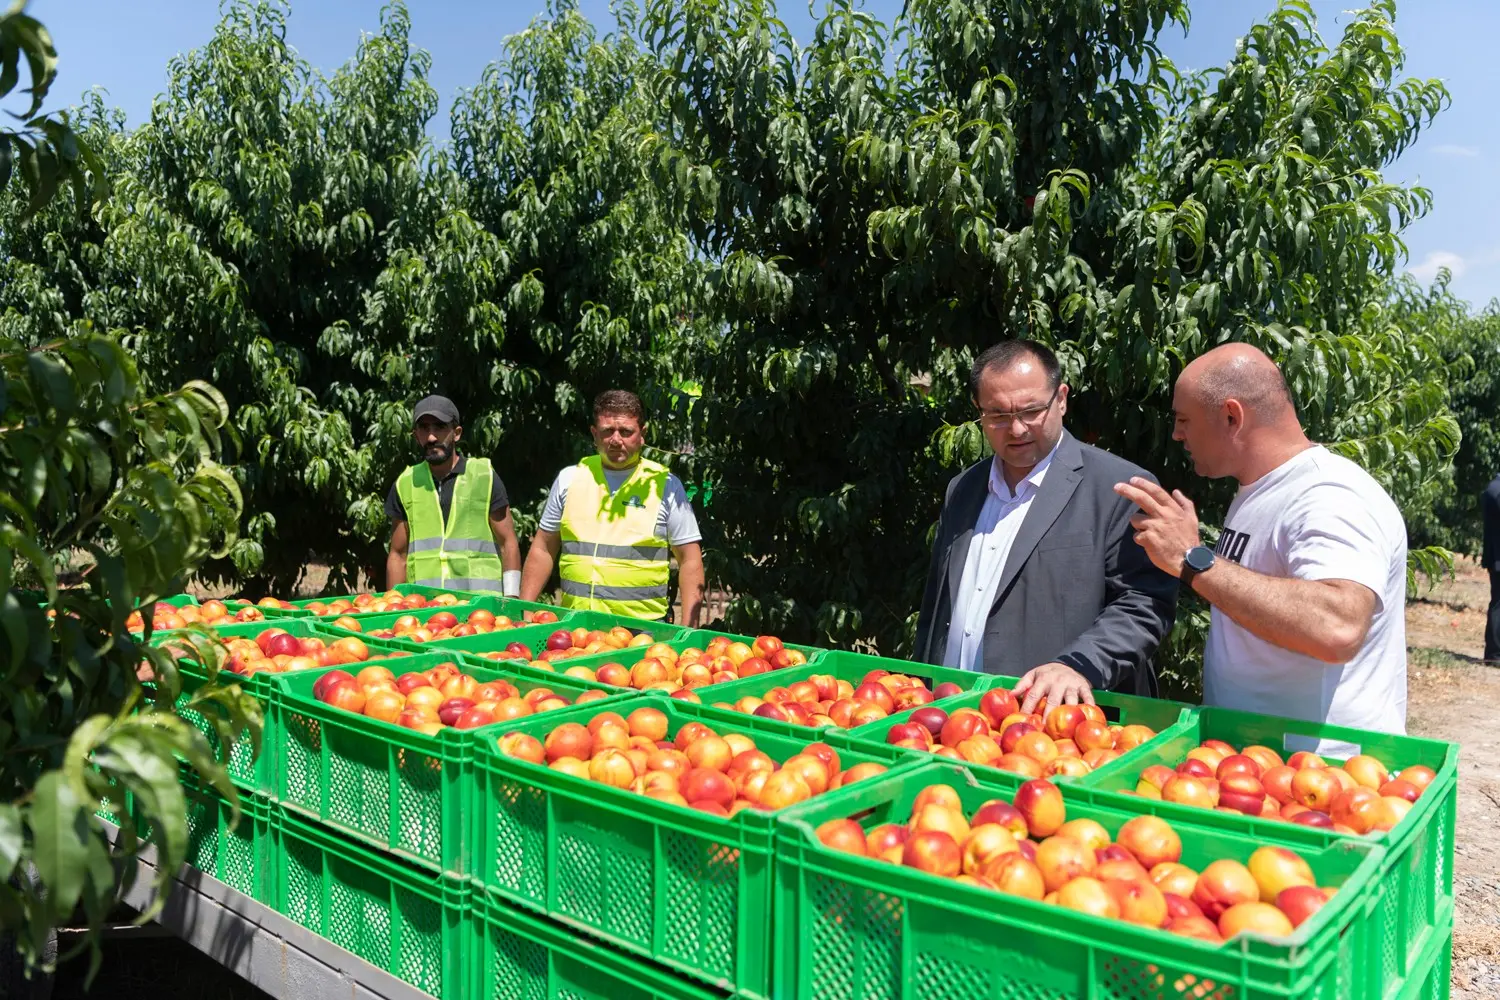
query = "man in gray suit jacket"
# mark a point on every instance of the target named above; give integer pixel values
(1035, 572)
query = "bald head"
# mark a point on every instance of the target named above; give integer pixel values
(1234, 414)
(1239, 372)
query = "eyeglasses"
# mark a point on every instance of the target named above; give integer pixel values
(1028, 416)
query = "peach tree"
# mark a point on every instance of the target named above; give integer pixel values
(97, 476)
(300, 242)
(884, 203)
(1469, 343)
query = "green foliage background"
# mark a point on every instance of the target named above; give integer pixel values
(805, 232)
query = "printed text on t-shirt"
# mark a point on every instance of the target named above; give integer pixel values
(1232, 544)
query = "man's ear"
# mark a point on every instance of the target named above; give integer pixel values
(1234, 413)
(458, 432)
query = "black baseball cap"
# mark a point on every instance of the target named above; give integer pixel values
(440, 408)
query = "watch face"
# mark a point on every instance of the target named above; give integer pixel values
(1200, 557)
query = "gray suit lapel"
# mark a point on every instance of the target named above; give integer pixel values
(1056, 490)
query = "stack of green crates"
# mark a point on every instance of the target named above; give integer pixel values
(856, 927)
(396, 789)
(1416, 875)
(688, 890)
(468, 873)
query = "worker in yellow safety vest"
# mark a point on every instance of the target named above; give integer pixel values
(610, 523)
(450, 516)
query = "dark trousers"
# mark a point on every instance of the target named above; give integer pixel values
(1492, 629)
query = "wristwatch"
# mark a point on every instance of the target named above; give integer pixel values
(1198, 559)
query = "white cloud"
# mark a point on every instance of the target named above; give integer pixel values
(1449, 149)
(1426, 271)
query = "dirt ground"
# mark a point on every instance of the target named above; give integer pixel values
(1454, 696)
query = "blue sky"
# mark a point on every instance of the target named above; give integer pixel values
(125, 48)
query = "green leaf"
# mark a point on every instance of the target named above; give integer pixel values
(12, 838)
(59, 831)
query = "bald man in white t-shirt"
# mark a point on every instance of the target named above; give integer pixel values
(1308, 579)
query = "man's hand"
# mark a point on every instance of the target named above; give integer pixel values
(1167, 525)
(1059, 683)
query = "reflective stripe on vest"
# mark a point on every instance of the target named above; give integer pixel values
(645, 553)
(460, 552)
(461, 583)
(605, 593)
(454, 545)
(612, 559)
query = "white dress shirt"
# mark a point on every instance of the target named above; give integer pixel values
(999, 520)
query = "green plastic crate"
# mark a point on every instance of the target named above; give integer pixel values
(400, 588)
(534, 636)
(846, 666)
(373, 620)
(110, 810)
(689, 890)
(1432, 973)
(680, 642)
(700, 638)
(406, 922)
(299, 607)
(1417, 873)
(249, 771)
(853, 927)
(1125, 709)
(176, 601)
(517, 955)
(239, 852)
(272, 614)
(474, 647)
(391, 787)
(511, 607)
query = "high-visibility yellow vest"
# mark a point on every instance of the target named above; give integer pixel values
(462, 553)
(612, 559)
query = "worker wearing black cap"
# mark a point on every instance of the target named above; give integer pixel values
(450, 514)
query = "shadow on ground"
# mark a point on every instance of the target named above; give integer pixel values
(157, 968)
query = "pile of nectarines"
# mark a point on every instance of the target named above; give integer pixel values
(391, 600)
(1067, 740)
(165, 617)
(277, 651)
(697, 767)
(1028, 847)
(440, 625)
(1359, 796)
(433, 699)
(367, 603)
(679, 674)
(825, 700)
(565, 644)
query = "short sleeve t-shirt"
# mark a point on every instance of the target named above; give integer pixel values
(675, 521)
(1316, 517)
(499, 502)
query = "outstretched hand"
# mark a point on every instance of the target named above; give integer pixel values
(1167, 525)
